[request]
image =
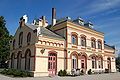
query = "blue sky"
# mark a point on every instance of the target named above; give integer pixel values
(104, 14)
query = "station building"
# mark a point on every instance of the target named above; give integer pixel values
(68, 44)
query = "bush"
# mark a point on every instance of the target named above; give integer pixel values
(4, 71)
(106, 70)
(89, 71)
(62, 73)
(10, 72)
(81, 72)
(15, 73)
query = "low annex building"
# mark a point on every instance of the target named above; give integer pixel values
(44, 49)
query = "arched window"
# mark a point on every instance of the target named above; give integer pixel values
(14, 44)
(94, 62)
(99, 45)
(12, 60)
(74, 62)
(28, 38)
(74, 39)
(100, 62)
(20, 39)
(93, 43)
(19, 58)
(83, 41)
(27, 59)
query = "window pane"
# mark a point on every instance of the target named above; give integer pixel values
(83, 41)
(74, 40)
(73, 63)
(82, 65)
(48, 65)
(93, 64)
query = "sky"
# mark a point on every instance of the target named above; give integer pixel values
(104, 14)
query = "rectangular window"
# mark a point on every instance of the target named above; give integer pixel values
(82, 65)
(99, 64)
(73, 63)
(48, 65)
(93, 64)
(74, 40)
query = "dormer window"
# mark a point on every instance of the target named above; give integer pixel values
(20, 39)
(93, 43)
(83, 41)
(99, 45)
(13, 44)
(74, 39)
(28, 38)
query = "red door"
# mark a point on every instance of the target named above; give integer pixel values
(52, 64)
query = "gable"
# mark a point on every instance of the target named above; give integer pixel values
(25, 29)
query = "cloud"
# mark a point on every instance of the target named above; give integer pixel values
(108, 22)
(112, 33)
(98, 6)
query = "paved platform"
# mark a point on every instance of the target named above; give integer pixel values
(111, 76)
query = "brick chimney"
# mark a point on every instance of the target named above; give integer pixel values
(43, 21)
(22, 22)
(53, 16)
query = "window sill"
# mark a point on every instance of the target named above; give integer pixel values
(20, 46)
(74, 46)
(28, 43)
(83, 47)
(99, 50)
(93, 49)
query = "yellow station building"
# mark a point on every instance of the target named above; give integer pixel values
(44, 49)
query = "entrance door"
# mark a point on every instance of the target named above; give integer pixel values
(83, 63)
(52, 65)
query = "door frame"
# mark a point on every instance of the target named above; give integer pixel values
(52, 55)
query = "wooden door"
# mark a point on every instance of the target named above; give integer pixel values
(52, 64)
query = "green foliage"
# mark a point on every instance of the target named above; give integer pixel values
(81, 72)
(62, 73)
(15, 73)
(118, 63)
(89, 71)
(106, 70)
(4, 40)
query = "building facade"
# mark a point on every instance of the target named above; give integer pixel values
(68, 44)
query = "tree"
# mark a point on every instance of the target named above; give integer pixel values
(4, 40)
(118, 63)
